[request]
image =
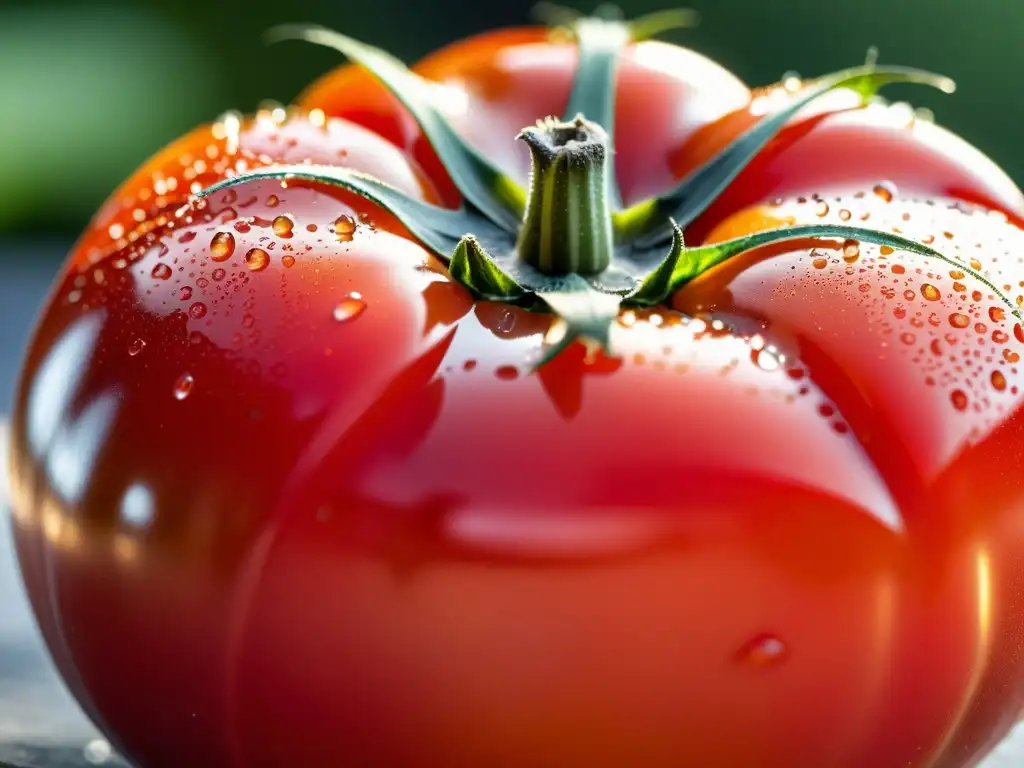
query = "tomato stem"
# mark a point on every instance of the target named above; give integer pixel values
(568, 224)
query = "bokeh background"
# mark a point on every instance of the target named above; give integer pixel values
(90, 88)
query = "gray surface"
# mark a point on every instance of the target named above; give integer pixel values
(40, 725)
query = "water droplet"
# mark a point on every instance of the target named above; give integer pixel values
(851, 250)
(980, 328)
(344, 226)
(97, 752)
(791, 81)
(930, 292)
(928, 239)
(819, 263)
(282, 226)
(288, 260)
(996, 314)
(349, 307)
(899, 312)
(766, 359)
(469, 365)
(864, 287)
(197, 310)
(934, 319)
(273, 201)
(507, 373)
(257, 259)
(909, 295)
(898, 269)
(975, 264)
(885, 250)
(161, 271)
(1010, 356)
(844, 215)
(821, 209)
(908, 338)
(959, 287)
(956, 274)
(959, 320)
(1000, 337)
(762, 651)
(183, 387)
(136, 347)
(998, 381)
(959, 399)
(185, 293)
(506, 322)
(1018, 332)
(218, 274)
(885, 190)
(222, 246)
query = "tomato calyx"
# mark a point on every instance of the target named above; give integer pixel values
(566, 246)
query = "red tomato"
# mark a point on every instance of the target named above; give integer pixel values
(286, 494)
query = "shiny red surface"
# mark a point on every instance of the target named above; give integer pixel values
(312, 505)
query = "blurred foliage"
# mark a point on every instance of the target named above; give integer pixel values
(89, 89)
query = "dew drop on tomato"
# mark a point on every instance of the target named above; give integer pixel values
(762, 651)
(959, 399)
(183, 386)
(998, 381)
(959, 320)
(886, 190)
(288, 260)
(282, 226)
(161, 272)
(930, 292)
(197, 310)
(257, 259)
(222, 246)
(344, 226)
(349, 307)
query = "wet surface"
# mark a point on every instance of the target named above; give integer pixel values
(40, 724)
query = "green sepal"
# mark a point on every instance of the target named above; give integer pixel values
(660, 282)
(471, 266)
(646, 223)
(480, 182)
(440, 229)
(688, 263)
(586, 312)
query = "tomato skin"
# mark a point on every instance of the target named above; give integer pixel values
(495, 84)
(334, 516)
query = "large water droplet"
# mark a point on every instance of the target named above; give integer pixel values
(885, 190)
(282, 226)
(161, 271)
(183, 386)
(349, 307)
(344, 226)
(996, 314)
(222, 246)
(930, 292)
(288, 260)
(959, 320)
(257, 259)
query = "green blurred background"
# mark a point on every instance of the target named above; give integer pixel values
(90, 89)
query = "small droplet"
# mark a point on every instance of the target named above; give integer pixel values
(819, 263)
(185, 293)
(282, 226)
(908, 338)
(956, 274)
(766, 359)
(930, 292)
(980, 328)
(161, 271)
(885, 190)
(959, 320)
(844, 215)
(851, 250)
(1000, 337)
(898, 269)
(349, 307)
(885, 250)
(975, 264)
(791, 81)
(218, 274)
(288, 260)
(197, 310)
(909, 295)
(469, 365)
(959, 399)
(507, 372)
(183, 387)
(256, 259)
(959, 287)
(344, 226)
(222, 246)
(136, 347)
(762, 651)
(821, 209)
(998, 381)
(272, 201)
(996, 314)
(506, 322)
(899, 312)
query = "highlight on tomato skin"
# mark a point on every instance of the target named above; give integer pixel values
(288, 492)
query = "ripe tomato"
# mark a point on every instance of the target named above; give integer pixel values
(287, 493)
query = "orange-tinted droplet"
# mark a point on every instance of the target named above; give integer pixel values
(1000, 337)
(959, 399)
(959, 320)
(507, 372)
(1018, 332)
(844, 214)
(908, 338)
(980, 327)
(885, 250)
(898, 269)
(222, 246)
(975, 264)
(996, 314)
(956, 274)
(288, 260)
(909, 295)
(349, 307)
(272, 201)
(959, 287)
(885, 190)
(821, 209)
(899, 312)
(161, 271)
(257, 259)
(282, 226)
(344, 226)
(998, 381)
(819, 263)
(930, 292)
